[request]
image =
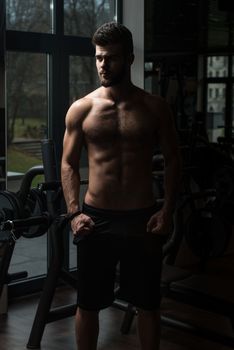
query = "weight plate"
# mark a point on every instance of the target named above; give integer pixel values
(10, 208)
(35, 206)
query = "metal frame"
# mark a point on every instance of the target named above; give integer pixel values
(2, 96)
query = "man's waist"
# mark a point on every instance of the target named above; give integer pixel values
(107, 212)
(119, 201)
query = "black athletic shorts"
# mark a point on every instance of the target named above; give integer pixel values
(119, 239)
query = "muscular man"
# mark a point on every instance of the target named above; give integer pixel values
(120, 124)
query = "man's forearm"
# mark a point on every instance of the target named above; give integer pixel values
(71, 188)
(172, 181)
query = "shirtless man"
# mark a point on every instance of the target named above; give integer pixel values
(119, 124)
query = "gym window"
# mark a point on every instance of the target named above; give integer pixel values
(49, 64)
(219, 96)
(29, 16)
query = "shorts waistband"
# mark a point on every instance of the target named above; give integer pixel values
(115, 213)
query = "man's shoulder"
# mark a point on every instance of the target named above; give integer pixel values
(143, 95)
(94, 94)
(85, 103)
(78, 111)
(90, 100)
(154, 98)
(154, 103)
(82, 107)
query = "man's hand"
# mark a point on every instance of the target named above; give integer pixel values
(160, 223)
(82, 225)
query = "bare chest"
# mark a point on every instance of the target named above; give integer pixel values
(113, 125)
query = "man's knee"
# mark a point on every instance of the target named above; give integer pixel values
(87, 314)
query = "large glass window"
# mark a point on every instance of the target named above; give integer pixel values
(81, 18)
(29, 15)
(27, 125)
(218, 29)
(38, 94)
(26, 110)
(219, 105)
(83, 76)
(216, 103)
(217, 66)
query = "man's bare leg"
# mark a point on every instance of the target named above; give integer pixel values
(149, 329)
(87, 329)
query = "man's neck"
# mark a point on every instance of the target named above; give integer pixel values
(119, 92)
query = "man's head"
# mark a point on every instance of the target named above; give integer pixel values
(114, 33)
(114, 53)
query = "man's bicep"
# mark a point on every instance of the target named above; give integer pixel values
(74, 135)
(72, 146)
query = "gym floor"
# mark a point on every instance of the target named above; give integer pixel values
(15, 327)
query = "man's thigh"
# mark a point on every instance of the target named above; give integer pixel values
(96, 269)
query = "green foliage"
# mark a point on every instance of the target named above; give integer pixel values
(19, 161)
(31, 128)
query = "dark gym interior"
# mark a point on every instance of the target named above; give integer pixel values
(184, 53)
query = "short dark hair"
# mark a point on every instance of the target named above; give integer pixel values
(114, 33)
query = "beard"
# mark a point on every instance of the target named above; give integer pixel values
(112, 79)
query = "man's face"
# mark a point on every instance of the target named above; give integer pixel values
(111, 64)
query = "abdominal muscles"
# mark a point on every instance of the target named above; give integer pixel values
(120, 177)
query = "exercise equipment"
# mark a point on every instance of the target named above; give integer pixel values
(201, 289)
(207, 234)
(207, 230)
(209, 181)
(27, 213)
(45, 314)
(59, 227)
(198, 289)
(32, 212)
(26, 203)
(16, 210)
